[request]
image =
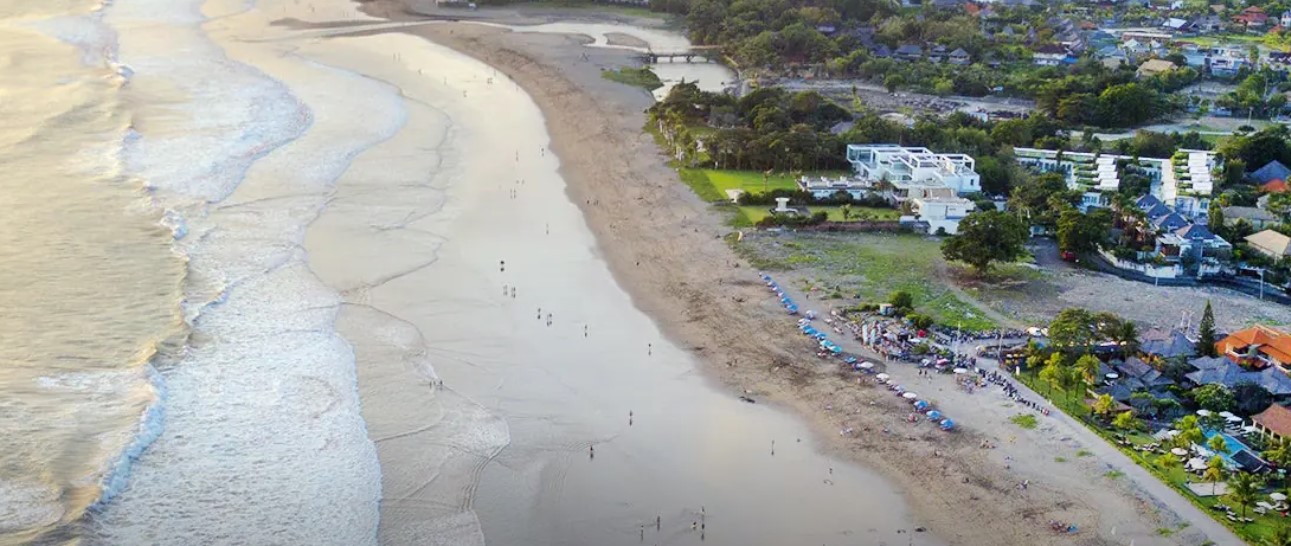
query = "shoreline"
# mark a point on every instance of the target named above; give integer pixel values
(658, 238)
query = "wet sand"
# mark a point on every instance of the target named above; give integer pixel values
(665, 248)
(610, 435)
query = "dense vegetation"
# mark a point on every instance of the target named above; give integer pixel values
(787, 34)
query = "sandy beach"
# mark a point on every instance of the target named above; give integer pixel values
(667, 251)
(438, 287)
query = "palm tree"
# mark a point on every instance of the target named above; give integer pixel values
(1244, 489)
(1090, 367)
(1166, 461)
(1127, 335)
(1217, 444)
(1214, 472)
(1103, 405)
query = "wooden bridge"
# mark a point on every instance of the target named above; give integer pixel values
(703, 52)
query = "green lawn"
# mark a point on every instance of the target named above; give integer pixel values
(753, 213)
(870, 267)
(711, 184)
(749, 181)
(1175, 476)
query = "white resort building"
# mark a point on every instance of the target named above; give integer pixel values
(899, 164)
(1184, 182)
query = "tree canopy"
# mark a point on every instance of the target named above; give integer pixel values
(985, 238)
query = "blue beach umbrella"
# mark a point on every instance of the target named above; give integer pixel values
(934, 415)
(836, 349)
(793, 309)
(947, 424)
(921, 405)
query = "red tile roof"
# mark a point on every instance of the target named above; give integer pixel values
(1276, 418)
(1276, 185)
(1273, 344)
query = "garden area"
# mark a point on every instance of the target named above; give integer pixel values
(1127, 434)
(866, 268)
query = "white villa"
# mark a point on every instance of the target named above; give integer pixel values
(902, 165)
(824, 188)
(1184, 182)
(941, 213)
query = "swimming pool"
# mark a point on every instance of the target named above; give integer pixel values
(1234, 446)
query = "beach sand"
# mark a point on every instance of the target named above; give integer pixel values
(666, 249)
(557, 413)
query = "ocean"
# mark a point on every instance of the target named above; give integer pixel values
(91, 287)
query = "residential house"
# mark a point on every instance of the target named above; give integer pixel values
(824, 188)
(1208, 23)
(1252, 17)
(1270, 243)
(1112, 56)
(938, 53)
(1257, 218)
(1142, 373)
(1257, 347)
(908, 52)
(1222, 371)
(880, 51)
(1274, 422)
(1277, 185)
(1273, 170)
(1051, 55)
(1225, 67)
(960, 57)
(1285, 19)
(899, 165)
(1160, 344)
(1153, 67)
(942, 214)
(1176, 24)
(1193, 241)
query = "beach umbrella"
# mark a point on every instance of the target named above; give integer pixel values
(961, 371)
(910, 396)
(934, 415)
(921, 405)
(1233, 419)
(1112, 376)
(1179, 451)
(1226, 414)
(947, 424)
(821, 336)
(766, 277)
(1277, 497)
(882, 377)
(793, 309)
(866, 365)
(1203, 412)
(784, 300)
(836, 349)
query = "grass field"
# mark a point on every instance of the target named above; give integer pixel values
(636, 77)
(750, 215)
(711, 184)
(870, 267)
